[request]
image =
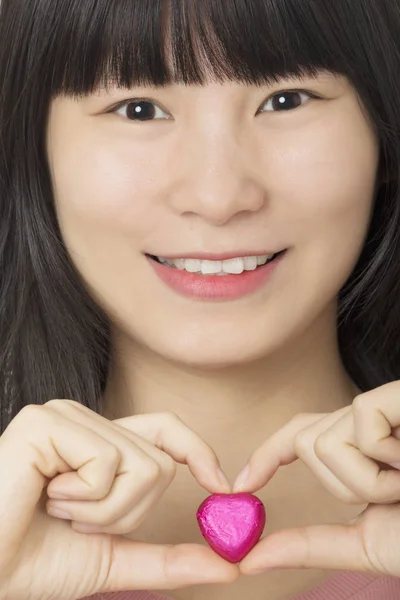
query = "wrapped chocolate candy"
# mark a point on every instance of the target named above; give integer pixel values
(232, 524)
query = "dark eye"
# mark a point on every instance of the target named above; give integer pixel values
(285, 101)
(141, 110)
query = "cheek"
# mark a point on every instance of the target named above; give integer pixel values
(106, 207)
(331, 174)
(325, 190)
(101, 186)
(324, 198)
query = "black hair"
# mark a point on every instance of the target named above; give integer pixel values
(54, 339)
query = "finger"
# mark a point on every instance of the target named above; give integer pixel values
(139, 480)
(127, 523)
(136, 566)
(138, 476)
(137, 456)
(376, 423)
(337, 449)
(123, 526)
(42, 446)
(146, 483)
(305, 443)
(160, 434)
(168, 433)
(126, 520)
(277, 451)
(337, 547)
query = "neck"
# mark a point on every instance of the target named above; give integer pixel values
(243, 403)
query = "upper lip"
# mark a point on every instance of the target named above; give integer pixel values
(216, 256)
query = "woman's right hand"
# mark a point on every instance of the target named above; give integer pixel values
(112, 475)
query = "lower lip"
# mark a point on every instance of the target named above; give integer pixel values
(215, 287)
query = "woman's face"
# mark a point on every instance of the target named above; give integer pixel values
(225, 170)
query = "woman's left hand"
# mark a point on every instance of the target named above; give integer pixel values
(355, 453)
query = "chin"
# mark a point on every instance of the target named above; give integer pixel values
(213, 355)
(211, 342)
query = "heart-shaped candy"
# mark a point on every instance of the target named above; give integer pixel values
(231, 524)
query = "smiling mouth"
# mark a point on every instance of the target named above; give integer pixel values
(232, 266)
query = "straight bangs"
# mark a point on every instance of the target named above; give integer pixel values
(126, 43)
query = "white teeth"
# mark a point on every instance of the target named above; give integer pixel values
(180, 263)
(216, 267)
(211, 267)
(233, 265)
(250, 263)
(193, 265)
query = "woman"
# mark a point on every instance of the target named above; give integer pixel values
(199, 246)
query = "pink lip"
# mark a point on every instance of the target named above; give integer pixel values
(214, 287)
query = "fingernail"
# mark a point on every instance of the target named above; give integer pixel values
(57, 512)
(241, 479)
(223, 479)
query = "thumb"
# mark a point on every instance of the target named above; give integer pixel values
(336, 547)
(139, 566)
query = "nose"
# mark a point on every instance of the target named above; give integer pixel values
(217, 179)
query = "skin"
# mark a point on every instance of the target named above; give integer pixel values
(222, 171)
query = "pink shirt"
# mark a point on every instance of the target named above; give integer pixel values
(342, 586)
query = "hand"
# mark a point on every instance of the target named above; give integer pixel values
(355, 453)
(111, 477)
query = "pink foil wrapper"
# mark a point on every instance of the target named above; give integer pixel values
(232, 524)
